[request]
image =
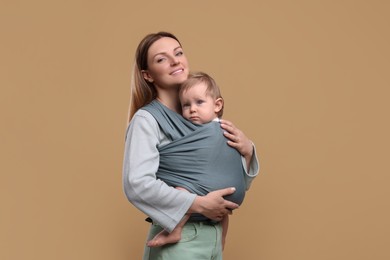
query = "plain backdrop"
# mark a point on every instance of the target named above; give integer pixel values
(307, 81)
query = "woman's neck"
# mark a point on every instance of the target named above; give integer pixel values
(170, 99)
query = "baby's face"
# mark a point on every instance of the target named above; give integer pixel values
(197, 106)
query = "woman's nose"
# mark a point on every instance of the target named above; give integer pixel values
(175, 61)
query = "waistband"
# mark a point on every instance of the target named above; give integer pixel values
(193, 219)
(209, 222)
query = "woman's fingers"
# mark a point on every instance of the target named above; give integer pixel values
(227, 206)
(226, 191)
(232, 132)
(228, 127)
(237, 138)
(215, 206)
(226, 122)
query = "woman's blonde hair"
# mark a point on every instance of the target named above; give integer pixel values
(142, 91)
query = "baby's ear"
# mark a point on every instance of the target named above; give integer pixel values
(218, 105)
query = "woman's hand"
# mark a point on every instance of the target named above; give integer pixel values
(213, 205)
(237, 139)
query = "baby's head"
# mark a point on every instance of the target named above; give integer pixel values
(200, 98)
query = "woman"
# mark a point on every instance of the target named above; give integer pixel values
(161, 67)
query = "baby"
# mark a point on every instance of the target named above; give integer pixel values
(201, 103)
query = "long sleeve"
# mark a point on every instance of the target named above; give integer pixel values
(165, 205)
(254, 168)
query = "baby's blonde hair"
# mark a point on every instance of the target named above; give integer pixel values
(201, 77)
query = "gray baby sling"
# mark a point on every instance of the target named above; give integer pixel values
(198, 158)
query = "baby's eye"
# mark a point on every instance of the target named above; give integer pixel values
(199, 102)
(185, 105)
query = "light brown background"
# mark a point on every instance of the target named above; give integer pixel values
(306, 80)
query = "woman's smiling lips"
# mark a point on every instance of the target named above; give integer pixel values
(177, 71)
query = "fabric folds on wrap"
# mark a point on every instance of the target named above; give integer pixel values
(198, 158)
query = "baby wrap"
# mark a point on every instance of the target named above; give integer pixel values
(198, 158)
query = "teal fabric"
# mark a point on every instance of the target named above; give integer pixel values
(198, 158)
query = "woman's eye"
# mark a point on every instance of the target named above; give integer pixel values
(179, 53)
(159, 60)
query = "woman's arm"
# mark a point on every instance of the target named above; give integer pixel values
(213, 205)
(244, 146)
(164, 204)
(238, 140)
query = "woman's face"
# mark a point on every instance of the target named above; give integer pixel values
(167, 64)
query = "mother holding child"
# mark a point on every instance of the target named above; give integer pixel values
(182, 172)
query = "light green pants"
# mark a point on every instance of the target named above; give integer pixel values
(199, 241)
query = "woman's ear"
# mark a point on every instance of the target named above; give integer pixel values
(147, 76)
(218, 105)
